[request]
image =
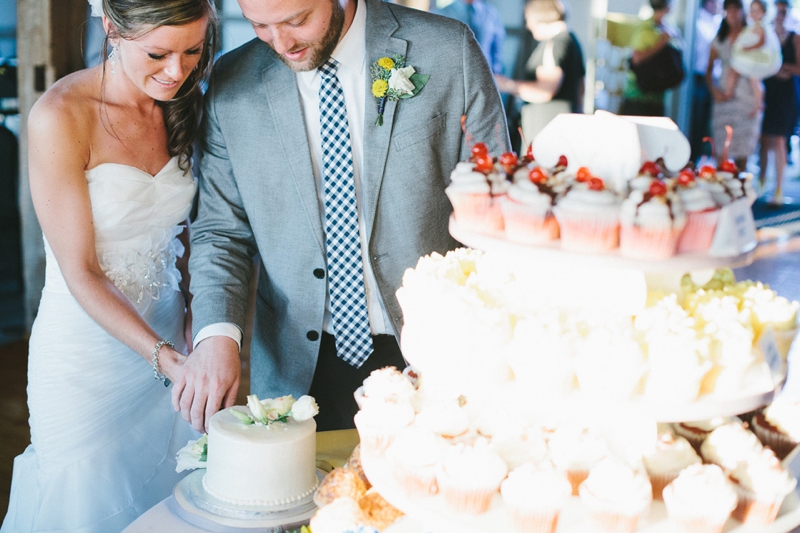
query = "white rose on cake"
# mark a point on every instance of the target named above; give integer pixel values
(193, 455)
(304, 408)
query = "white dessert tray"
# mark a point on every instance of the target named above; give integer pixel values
(199, 508)
(437, 517)
(553, 254)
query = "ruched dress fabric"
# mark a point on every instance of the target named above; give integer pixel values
(104, 435)
(736, 112)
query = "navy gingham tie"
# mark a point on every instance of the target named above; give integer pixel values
(345, 271)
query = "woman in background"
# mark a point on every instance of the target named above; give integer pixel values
(110, 171)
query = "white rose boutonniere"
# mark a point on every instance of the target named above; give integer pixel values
(393, 80)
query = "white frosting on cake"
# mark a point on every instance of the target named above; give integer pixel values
(260, 465)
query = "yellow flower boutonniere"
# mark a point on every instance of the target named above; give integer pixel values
(392, 80)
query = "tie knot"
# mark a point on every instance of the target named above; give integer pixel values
(329, 68)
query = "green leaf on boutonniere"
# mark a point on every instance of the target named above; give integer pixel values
(419, 81)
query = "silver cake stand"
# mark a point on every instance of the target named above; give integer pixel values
(197, 507)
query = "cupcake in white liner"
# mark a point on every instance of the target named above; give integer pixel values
(729, 445)
(527, 209)
(696, 431)
(761, 485)
(534, 496)
(576, 450)
(588, 218)
(378, 423)
(385, 384)
(671, 455)
(616, 496)
(445, 418)
(651, 222)
(414, 458)
(470, 476)
(778, 426)
(701, 499)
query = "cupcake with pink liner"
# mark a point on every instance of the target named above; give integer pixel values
(671, 455)
(534, 496)
(378, 424)
(575, 450)
(475, 199)
(761, 485)
(778, 426)
(470, 476)
(588, 217)
(729, 445)
(616, 496)
(700, 499)
(651, 222)
(702, 214)
(414, 458)
(527, 209)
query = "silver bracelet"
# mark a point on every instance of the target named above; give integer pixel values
(157, 374)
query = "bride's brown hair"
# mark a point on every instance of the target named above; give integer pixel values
(131, 19)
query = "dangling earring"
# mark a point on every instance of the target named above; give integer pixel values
(113, 56)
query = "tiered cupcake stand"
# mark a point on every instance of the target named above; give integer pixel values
(430, 514)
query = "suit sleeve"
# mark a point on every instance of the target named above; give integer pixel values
(222, 240)
(486, 118)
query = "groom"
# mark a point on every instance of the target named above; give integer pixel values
(294, 168)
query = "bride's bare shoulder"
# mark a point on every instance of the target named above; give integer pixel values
(71, 102)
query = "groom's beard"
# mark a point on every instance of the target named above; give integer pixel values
(322, 49)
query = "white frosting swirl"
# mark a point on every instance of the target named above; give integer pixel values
(536, 487)
(528, 193)
(696, 199)
(784, 415)
(587, 201)
(730, 445)
(618, 485)
(672, 454)
(466, 179)
(763, 475)
(663, 212)
(700, 490)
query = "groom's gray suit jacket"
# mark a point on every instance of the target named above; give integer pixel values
(258, 194)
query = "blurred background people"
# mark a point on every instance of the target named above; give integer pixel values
(780, 103)
(707, 24)
(484, 20)
(735, 111)
(552, 78)
(649, 38)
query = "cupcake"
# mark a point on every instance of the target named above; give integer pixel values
(671, 455)
(717, 183)
(378, 423)
(534, 497)
(527, 209)
(445, 418)
(576, 450)
(701, 499)
(385, 384)
(697, 431)
(761, 484)
(414, 458)
(588, 217)
(778, 426)
(650, 223)
(649, 172)
(729, 445)
(475, 199)
(470, 476)
(616, 496)
(702, 214)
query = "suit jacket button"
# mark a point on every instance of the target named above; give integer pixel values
(312, 335)
(319, 273)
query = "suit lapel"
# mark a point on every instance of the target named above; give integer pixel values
(381, 24)
(280, 87)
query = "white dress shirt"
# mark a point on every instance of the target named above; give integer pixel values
(351, 53)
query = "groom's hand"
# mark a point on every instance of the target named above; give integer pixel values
(210, 380)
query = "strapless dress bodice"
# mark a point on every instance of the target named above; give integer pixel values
(136, 219)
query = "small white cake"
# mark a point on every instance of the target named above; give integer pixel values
(258, 465)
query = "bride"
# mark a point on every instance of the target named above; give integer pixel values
(110, 157)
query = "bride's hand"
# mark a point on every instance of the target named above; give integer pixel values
(171, 363)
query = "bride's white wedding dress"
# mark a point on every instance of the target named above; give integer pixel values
(103, 432)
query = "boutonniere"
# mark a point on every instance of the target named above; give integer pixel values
(393, 80)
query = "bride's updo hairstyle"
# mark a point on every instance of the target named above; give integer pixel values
(131, 19)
